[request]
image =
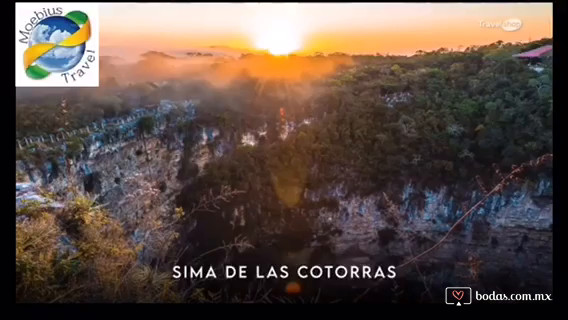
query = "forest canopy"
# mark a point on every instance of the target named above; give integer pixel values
(436, 118)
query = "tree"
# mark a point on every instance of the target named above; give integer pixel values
(74, 147)
(39, 158)
(26, 156)
(145, 127)
(110, 105)
(396, 69)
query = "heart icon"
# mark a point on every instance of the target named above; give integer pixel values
(457, 294)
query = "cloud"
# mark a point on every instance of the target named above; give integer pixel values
(58, 36)
(73, 61)
(60, 52)
(40, 34)
(64, 53)
(45, 34)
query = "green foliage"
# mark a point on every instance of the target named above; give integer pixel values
(30, 208)
(36, 258)
(396, 69)
(146, 125)
(466, 111)
(112, 106)
(101, 266)
(74, 147)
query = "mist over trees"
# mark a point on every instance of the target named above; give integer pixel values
(458, 115)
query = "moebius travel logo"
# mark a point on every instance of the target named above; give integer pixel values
(57, 45)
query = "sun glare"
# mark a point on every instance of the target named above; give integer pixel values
(276, 28)
(279, 38)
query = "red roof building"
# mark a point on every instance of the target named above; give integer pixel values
(544, 51)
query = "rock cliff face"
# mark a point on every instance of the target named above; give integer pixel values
(506, 244)
(136, 191)
(135, 180)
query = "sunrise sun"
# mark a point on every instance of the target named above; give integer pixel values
(279, 38)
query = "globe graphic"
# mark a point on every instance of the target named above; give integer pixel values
(54, 30)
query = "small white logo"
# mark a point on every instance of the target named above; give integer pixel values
(508, 25)
(57, 45)
(511, 25)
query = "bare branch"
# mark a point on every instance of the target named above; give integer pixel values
(517, 170)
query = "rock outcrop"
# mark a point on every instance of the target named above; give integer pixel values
(507, 242)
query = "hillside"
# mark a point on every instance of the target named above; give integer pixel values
(359, 160)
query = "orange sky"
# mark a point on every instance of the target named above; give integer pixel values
(395, 28)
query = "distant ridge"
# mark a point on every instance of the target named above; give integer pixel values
(156, 54)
